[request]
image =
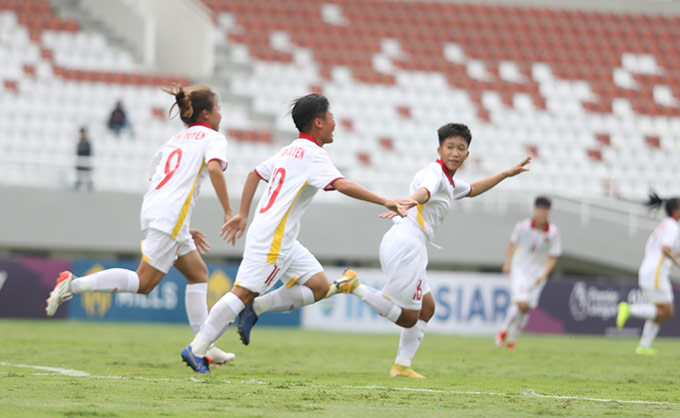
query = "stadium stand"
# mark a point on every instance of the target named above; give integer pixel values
(598, 106)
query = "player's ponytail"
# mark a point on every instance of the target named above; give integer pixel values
(655, 202)
(191, 102)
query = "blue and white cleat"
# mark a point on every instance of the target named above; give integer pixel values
(246, 321)
(199, 364)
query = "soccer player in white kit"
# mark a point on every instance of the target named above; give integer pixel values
(406, 298)
(653, 276)
(534, 247)
(179, 167)
(272, 251)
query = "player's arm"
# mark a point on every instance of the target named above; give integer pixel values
(481, 186)
(234, 229)
(669, 253)
(356, 191)
(220, 185)
(549, 266)
(508, 257)
(421, 196)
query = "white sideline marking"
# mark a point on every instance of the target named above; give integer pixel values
(65, 372)
(528, 393)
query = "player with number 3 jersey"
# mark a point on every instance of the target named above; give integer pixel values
(179, 167)
(272, 251)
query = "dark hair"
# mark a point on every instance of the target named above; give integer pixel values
(655, 202)
(542, 202)
(454, 129)
(191, 102)
(307, 108)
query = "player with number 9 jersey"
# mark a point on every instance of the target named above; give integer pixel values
(179, 167)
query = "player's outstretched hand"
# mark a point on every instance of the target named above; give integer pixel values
(234, 228)
(519, 168)
(399, 207)
(202, 245)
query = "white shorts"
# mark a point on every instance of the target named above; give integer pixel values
(523, 289)
(656, 290)
(403, 259)
(258, 276)
(161, 251)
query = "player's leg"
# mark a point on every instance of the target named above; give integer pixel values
(194, 269)
(403, 259)
(159, 251)
(410, 340)
(651, 328)
(304, 280)
(519, 289)
(252, 278)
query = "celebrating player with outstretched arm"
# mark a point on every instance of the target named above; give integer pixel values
(653, 275)
(179, 167)
(272, 251)
(406, 298)
(532, 253)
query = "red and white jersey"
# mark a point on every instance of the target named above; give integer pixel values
(443, 190)
(178, 169)
(294, 175)
(532, 248)
(655, 262)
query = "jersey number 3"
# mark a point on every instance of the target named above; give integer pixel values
(274, 187)
(168, 171)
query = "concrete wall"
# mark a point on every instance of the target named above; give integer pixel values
(172, 36)
(334, 228)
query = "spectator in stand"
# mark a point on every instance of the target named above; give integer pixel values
(84, 163)
(118, 120)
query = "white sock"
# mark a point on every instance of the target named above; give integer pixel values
(409, 341)
(284, 299)
(643, 310)
(196, 304)
(378, 302)
(649, 332)
(516, 326)
(110, 280)
(513, 310)
(221, 316)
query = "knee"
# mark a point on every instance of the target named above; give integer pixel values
(407, 319)
(146, 288)
(426, 313)
(665, 312)
(524, 307)
(321, 290)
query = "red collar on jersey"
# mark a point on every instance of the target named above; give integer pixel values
(308, 137)
(201, 124)
(446, 172)
(545, 229)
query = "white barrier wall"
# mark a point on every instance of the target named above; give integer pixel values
(466, 303)
(173, 36)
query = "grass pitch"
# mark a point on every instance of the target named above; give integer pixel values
(135, 370)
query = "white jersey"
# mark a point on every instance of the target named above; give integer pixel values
(177, 173)
(443, 190)
(655, 263)
(294, 175)
(532, 248)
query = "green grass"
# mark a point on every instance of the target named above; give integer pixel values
(298, 373)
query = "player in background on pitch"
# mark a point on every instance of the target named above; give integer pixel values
(532, 252)
(653, 275)
(179, 167)
(272, 251)
(406, 298)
